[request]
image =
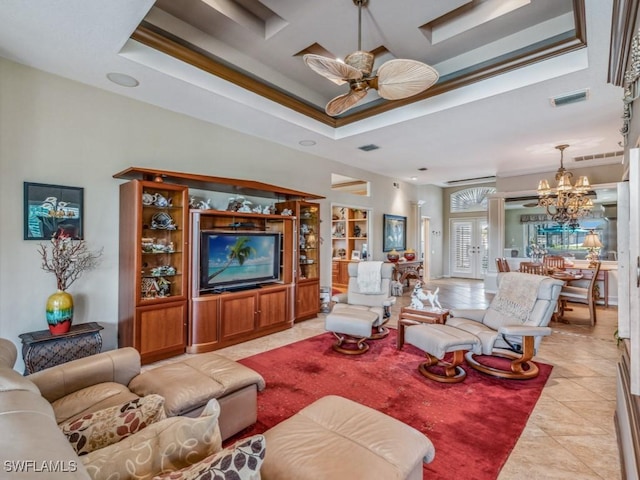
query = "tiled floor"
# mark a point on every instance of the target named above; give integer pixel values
(570, 434)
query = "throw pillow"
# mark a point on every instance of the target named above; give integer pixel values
(108, 426)
(165, 446)
(241, 461)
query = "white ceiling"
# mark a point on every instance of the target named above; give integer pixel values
(502, 126)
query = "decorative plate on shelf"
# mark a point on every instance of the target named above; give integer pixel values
(163, 221)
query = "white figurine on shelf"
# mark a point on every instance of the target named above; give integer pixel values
(421, 295)
(205, 204)
(246, 206)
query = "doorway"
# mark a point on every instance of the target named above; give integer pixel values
(469, 247)
(425, 248)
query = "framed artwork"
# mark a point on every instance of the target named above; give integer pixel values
(355, 255)
(395, 233)
(52, 210)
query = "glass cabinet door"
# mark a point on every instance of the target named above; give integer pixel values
(309, 241)
(161, 243)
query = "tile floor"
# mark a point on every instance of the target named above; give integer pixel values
(570, 434)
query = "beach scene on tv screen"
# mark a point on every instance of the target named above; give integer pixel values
(235, 258)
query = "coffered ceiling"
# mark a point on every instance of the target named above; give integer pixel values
(238, 63)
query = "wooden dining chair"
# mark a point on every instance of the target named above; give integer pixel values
(581, 291)
(533, 268)
(554, 261)
(502, 265)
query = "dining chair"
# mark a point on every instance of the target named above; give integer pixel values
(502, 265)
(533, 268)
(554, 261)
(581, 291)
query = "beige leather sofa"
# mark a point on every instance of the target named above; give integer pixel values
(331, 438)
(113, 378)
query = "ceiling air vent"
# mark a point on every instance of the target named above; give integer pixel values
(368, 148)
(567, 98)
(599, 156)
(471, 181)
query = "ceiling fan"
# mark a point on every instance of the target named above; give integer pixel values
(395, 79)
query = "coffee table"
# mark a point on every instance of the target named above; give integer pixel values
(412, 316)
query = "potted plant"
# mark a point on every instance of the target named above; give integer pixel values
(67, 259)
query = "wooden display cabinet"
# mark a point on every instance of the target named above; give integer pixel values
(152, 310)
(162, 311)
(307, 291)
(221, 319)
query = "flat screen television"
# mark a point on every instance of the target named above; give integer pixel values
(234, 260)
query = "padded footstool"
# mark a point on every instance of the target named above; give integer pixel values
(437, 340)
(188, 385)
(351, 324)
(337, 438)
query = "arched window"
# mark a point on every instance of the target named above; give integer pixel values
(471, 199)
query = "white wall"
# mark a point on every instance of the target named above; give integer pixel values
(57, 131)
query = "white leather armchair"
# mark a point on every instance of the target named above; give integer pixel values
(513, 325)
(360, 314)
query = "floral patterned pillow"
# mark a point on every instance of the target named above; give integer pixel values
(241, 461)
(110, 425)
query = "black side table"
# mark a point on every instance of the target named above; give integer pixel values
(42, 350)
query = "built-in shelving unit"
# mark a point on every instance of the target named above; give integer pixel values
(349, 234)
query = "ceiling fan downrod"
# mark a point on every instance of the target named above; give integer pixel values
(360, 3)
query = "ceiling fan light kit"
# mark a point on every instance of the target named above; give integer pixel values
(395, 79)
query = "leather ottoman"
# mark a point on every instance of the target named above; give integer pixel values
(189, 384)
(436, 341)
(338, 438)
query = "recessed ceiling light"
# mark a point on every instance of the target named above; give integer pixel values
(122, 79)
(414, 178)
(423, 169)
(307, 143)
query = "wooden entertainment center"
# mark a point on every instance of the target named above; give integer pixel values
(163, 308)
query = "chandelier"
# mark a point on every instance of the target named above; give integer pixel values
(567, 202)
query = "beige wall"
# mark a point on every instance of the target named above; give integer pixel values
(57, 131)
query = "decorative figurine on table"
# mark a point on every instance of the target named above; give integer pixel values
(418, 296)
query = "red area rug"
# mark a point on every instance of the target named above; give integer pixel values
(474, 425)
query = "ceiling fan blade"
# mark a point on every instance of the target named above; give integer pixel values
(337, 72)
(402, 78)
(344, 102)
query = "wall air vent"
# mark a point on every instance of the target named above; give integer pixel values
(568, 98)
(471, 181)
(599, 156)
(368, 148)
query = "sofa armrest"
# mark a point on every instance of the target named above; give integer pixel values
(119, 366)
(388, 302)
(475, 314)
(525, 331)
(8, 353)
